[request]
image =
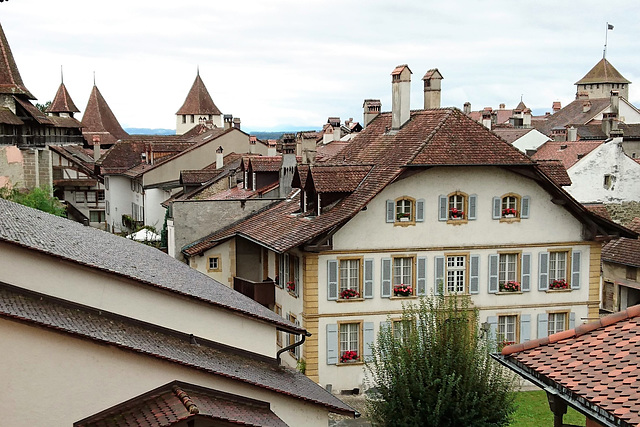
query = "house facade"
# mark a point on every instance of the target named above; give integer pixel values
(620, 265)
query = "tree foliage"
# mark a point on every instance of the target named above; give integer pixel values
(38, 198)
(434, 369)
(43, 107)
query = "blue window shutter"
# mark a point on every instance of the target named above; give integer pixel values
(439, 275)
(572, 320)
(497, 204)
(525, 327)
(525, 281)
(543, 325)
(525, 207)
(421, 279)
(285, 269)
(493, 273)
(493, 326)
(368, 278)
(281, 271)
(332, 344)
(543, 271)
(385, 290)
(391, 210)
(420, 210)
(442, 208)
(575, 269)
(473, 206)
(332, 280)
(369, 338)
(296, 350)
(474, 275)
(296, 276)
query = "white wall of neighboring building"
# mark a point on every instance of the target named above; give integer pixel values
(186, 122)
(588, 176)
(120, 192)
(154, 212)
(530, 141)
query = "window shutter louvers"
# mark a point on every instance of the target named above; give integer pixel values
(575, 269)
(493, 273)
(442, 208)
(421, 288)
(297, 349)
(281, 271)
(493, 326)
(524, 209)
(332, 344)
(332, 280)
(543, 271)
(525, 281)
(369, 338)
(285, 269)
(525, 327)
(385, 291)
(572, 320)
(474, 275)
(420, 210)
(391, 208)
(543, 325)
(439, 275)
(497, 204)
(368, 278)
(296, 275)
(473, 207)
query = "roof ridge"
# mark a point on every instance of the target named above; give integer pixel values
(445, 117)
(191, 407)
(629, 313)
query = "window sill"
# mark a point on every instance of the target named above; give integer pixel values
(403, 223)
(403, 297)
(356, 363)
(349, 299)
(457, 221)
(509, 220)
(509, 293)
(215, 270)
(558, 290)
(293, 294)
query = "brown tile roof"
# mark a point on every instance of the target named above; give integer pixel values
(122, 156)
(33, 111)
(598, 209)
(265, 163)
(572, 114)
(432, 73)
(10, 80)
(337, 178)
(62, 102)
(158, 342)
(400, 68)
(568, 152)
(76, 154)
(593, 364)
(64, 239)
(99, 119)
(511, 134)
(8, 118)
(65, 122)
(198, 100)
(602, 72)
(328, 151)
(555, 171)
(623, 250)
(178, 401)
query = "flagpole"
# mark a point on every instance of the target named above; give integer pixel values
(606, 34)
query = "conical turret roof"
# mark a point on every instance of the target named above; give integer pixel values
(99, 119)
(10, 80)
(62, 103)
(602, 72)
(198, 100)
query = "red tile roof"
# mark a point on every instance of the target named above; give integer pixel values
(337, 178)
(555, 171)
(568, 152)
(265, 163)
(624, 251)
(99, 119)
(62, 102)
(198, 100)
(598, 209)
(10, 80)
(595, 364)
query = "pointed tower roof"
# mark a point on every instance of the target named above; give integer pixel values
(99, 119)
(602, 72)
(62, 102)
(198, 100)
(10, 80)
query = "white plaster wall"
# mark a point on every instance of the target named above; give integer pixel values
(530, 141)
(182, 128)
(71, 379)
(153, 210)
(65, 280)
(120, 198)
(222, 250)
(587, 176)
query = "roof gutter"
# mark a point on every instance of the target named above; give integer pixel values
(292, 346)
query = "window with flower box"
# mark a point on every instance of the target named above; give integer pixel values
(289, 273)
(403, 275)
(559, 270)
(511, 207)
(349, 343)
(457, 207)
(350, 278)
(405, 211)
(507, 332)
(509, 272)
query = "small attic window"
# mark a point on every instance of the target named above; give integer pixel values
(396, 77)
(563, 147)
(608, 181)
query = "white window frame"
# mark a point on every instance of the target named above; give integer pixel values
(508, 268)
(558, 267)
(557, 322)
(456, 273)
(507, 328)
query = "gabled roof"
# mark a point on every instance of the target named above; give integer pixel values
(555, 171)
(602, 72)
(62, 102)
(77, 155)
(99, 250)
(99, 119)
(8, 118)
(624, 251)
(595, 364)
(572, 114)
(33, 111)
(337, 178)
(265, 163)
(568, 152)
(510, 134)
(432, 74)
(10, 80)
(198, 100)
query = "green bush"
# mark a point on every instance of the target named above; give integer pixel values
(38, 198)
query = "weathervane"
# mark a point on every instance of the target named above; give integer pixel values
(606, 33)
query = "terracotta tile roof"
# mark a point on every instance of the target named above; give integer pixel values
(511, 134)
(593, 364)
(154, 341)
(8, 118)
(598, 209)
(568, 152)
(177, 401)
(602, 72)
(34, 112)
(555, 171)
(64, 239)
(572, 114)
(198, 100)
(10, 80)
(432, 73)
(265, 163)
(122, 156)
(98, 119)
(337, 178)
(62, 102)
(400, 68)
(328, 151)
(624, 251)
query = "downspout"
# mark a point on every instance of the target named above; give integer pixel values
(292, 346)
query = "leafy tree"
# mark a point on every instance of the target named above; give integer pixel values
(38, 198)
(434, 369)
(43, 107)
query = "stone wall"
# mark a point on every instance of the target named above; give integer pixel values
(623, 213)
(30, 165)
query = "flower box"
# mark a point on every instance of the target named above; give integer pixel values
(559, 284)
(349, 293)
(402, 290)
(510, 286)
(454, 213)
(349, 356)
(291, 286)
(509, 213)
(403, 217)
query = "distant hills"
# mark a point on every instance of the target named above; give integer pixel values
(262, 135)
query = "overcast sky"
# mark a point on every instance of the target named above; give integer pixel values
(283, 63)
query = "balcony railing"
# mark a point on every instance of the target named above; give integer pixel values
(262, 292)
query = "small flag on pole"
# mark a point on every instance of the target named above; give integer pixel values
(609, 27)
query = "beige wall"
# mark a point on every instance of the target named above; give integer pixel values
(52, 379)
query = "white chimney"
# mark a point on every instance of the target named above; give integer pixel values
(219, 158)
(572, 134)
(400, 96)
(271, 150)
(371, 110)
(96, 147)
(432, 81)
(486, 117)
(467, 108)
(252, 144)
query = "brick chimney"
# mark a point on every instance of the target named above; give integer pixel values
(557, 106)
(219, 158)
(432, 89)
(400, 96)
(371, 110)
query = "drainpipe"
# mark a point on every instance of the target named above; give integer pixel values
(292, 346)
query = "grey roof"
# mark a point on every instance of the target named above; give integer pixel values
(153, 341)
(98, 249)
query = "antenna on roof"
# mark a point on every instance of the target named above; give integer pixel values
(61, 75)
(606, 33)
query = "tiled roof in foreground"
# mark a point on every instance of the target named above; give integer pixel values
(88, 246)
(153, 341)
(594, 364)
